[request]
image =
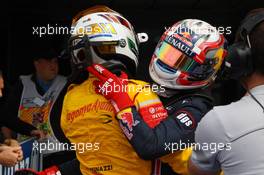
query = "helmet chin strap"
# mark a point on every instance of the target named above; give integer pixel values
(115, 67)
(79, 74)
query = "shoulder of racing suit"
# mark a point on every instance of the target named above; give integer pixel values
(81, 85)
(194, 106)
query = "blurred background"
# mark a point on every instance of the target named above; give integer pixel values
(150, 16)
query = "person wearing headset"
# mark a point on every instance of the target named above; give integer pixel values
(237, 129)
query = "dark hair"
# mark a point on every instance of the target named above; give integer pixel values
(257, 43)
(44, 53)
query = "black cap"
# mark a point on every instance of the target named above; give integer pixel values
(43, 52)
(44, 48)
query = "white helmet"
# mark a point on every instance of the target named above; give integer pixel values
(102, 35)
(188, 55)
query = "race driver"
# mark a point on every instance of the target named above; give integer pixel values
(186, 61)
(87, 117)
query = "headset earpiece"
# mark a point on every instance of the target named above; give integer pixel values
(239, 61)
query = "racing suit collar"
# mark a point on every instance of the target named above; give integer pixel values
(116, 68)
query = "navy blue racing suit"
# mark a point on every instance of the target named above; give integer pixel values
(184, 110)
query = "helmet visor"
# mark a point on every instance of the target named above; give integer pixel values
(175, 59)
(80, 48)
